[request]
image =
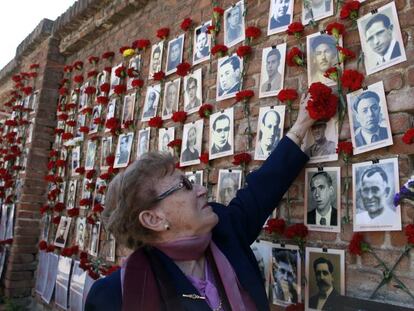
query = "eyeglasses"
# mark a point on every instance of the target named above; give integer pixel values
(185, 183)
(225, 129)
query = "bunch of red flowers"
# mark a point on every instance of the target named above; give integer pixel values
(242, 159)
(158, 76)
(275, 225)
(244, 50)
(345, 148)
(335, 29)
(155, 122)
(186, 24)
(137, 83)
(183, 69)
(205, 110)
(244, 95)
(141, 44)
(295, 57)
(219, 49)
(357, 246)
(287, 96)
(352, 79)
(163, 33)
(120, 89)
(323, 104)
(253, 32)
(204, 158)
(350, 10)
(296, 29)
(296, 232)
(179, 116)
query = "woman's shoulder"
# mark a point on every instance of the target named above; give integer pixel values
(105, 293)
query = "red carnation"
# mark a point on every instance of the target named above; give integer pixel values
(105, 87)
(352, 79)
(158, 76)
(63, 91)
(59, 207)
(137, 83)
(120, 89)
(335, 29)
(90, 174)
(78, 79)
(108, 55)
(295, 307)
(87, 110)
(97, 208)
(183, 68)
(155, 122)
(84, 129)
(409, 233)
(42, 245)
(141, 44)
(295, 57)
(218, 10)
(80, 170)
(242, 159)
(98, 121)
(163, 33)
(244, 95)
(78, 65)
(60, 163)
(219, 49)
(67, 136)
(92, 73)
(110, 160)
(186, 24)
(102, 100)
(275, 225)
(112, 124)
(34, 66)
(205, 110)
(85, 202)
(67, 68)
(253, 32)
(74, 212)
(331, 73)
(27, 90)
(357, 245)
(296, 231)
(120, 72)
(132, 72)
(350, 10)
(287, 95)
(108, 69)
(175, 143)
(90, 90)
(56, 220)
(344, 54)
(50, 248)
(105, 176)
(296, 29)
(90, 220)
(244, 50)
(179, 116)
(93, 60)
(204, 158)
(408, 137)
(345, 147)
(211, 29)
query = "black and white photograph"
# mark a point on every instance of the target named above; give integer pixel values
(62, 231)
(315, 10)
(381, 39)
(143, 141)
(321, 53)
(193, 91)
(83, 97)
(71, 196)
(62, 193)
(34, 102)
(41, 274)
(191, 143)
(62, 282)
(234, 24)
(196, 177)
(325, 272)
(86, 193)
(229, 69)
(229, 181)
(165, 136)
(152, 99)
(80, 237)
(114, 79)
(323, 199)
(174, 54)
(221, 134)
(202, 43)
(262, 251)
(273, 70)
(5, 219)
(80, 122)
(11, 208)
(101, 79)
(269, 130)
(77, 282)
(123, 150)
(46, 221)
(128, 108)
(94, 235)
(321, 140)
(156, 59)
(52, 266)
(171, 98)
(96, 113)
(111, 109)
(76, 158)
(135, 63)
(374, 185)
(90, 155)
(280, 16)
(109, 248)
(74, 97)
(106, 151)
(368, 117)
(285, 284)
(99, 195)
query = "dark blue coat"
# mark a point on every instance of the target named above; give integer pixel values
(239, 225)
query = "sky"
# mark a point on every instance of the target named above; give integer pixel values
(18, 18)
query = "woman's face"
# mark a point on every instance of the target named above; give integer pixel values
(186, 211)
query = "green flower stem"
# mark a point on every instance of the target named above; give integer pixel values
(347, 218)
(246, 111)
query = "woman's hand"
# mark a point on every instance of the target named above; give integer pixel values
(303, 122)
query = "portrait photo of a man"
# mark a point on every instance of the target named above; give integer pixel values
(196, 177)
(368, 115)
(62, 231)
(316, 10)
(221, 134)
(156, 59)
(192, 140)
(193, 91)
(86, 193)
(165, 135)
(234, 24)
(71, 195)
(202, 43)
(101, 79)
(90, 155)
(135, 64)
(94, 235)
(262, 251)
(111, 109)
(171, 98)
(273, 70)
(325, 272)
(174, 54)
(96, 113)
(321, 55)
(114, 79)
(374, 187)
(123, 149)
(269, 130)
(75, 159)
(381, 39)
(129, 108)
(151, 102)
(285, 285)
(143, 141)
(321, 140)
(98, 197)
(229, 181)
(80, 232)
(228, 76)
(106, 150)
(280, 16)
(322, 193)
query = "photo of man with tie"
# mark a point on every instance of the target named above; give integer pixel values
(271, 75)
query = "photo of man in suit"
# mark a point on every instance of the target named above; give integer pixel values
(202, 43)
(191, 90)
(269, 133)
(122, 157)
(129, 103)
(322, 146)
(150, 108)
(174, 53)
(156, 59)
(234, 25)
(170, 98)
(323, 55)
(367, 112)
(324, 212)
(228, 186)
(274, 78)
(143, 142)
(220, 134)
(284, 285)
(280, 16)
(61, 233)
(380, 39)
(229, 77)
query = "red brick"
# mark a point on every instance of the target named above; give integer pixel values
(374, 238)
(410, 76)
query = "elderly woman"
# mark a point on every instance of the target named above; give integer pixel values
(190, 254)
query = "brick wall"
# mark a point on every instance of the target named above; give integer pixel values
(93, 27)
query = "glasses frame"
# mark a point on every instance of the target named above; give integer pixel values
(185, 182)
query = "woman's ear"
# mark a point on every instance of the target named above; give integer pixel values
(152, 219)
